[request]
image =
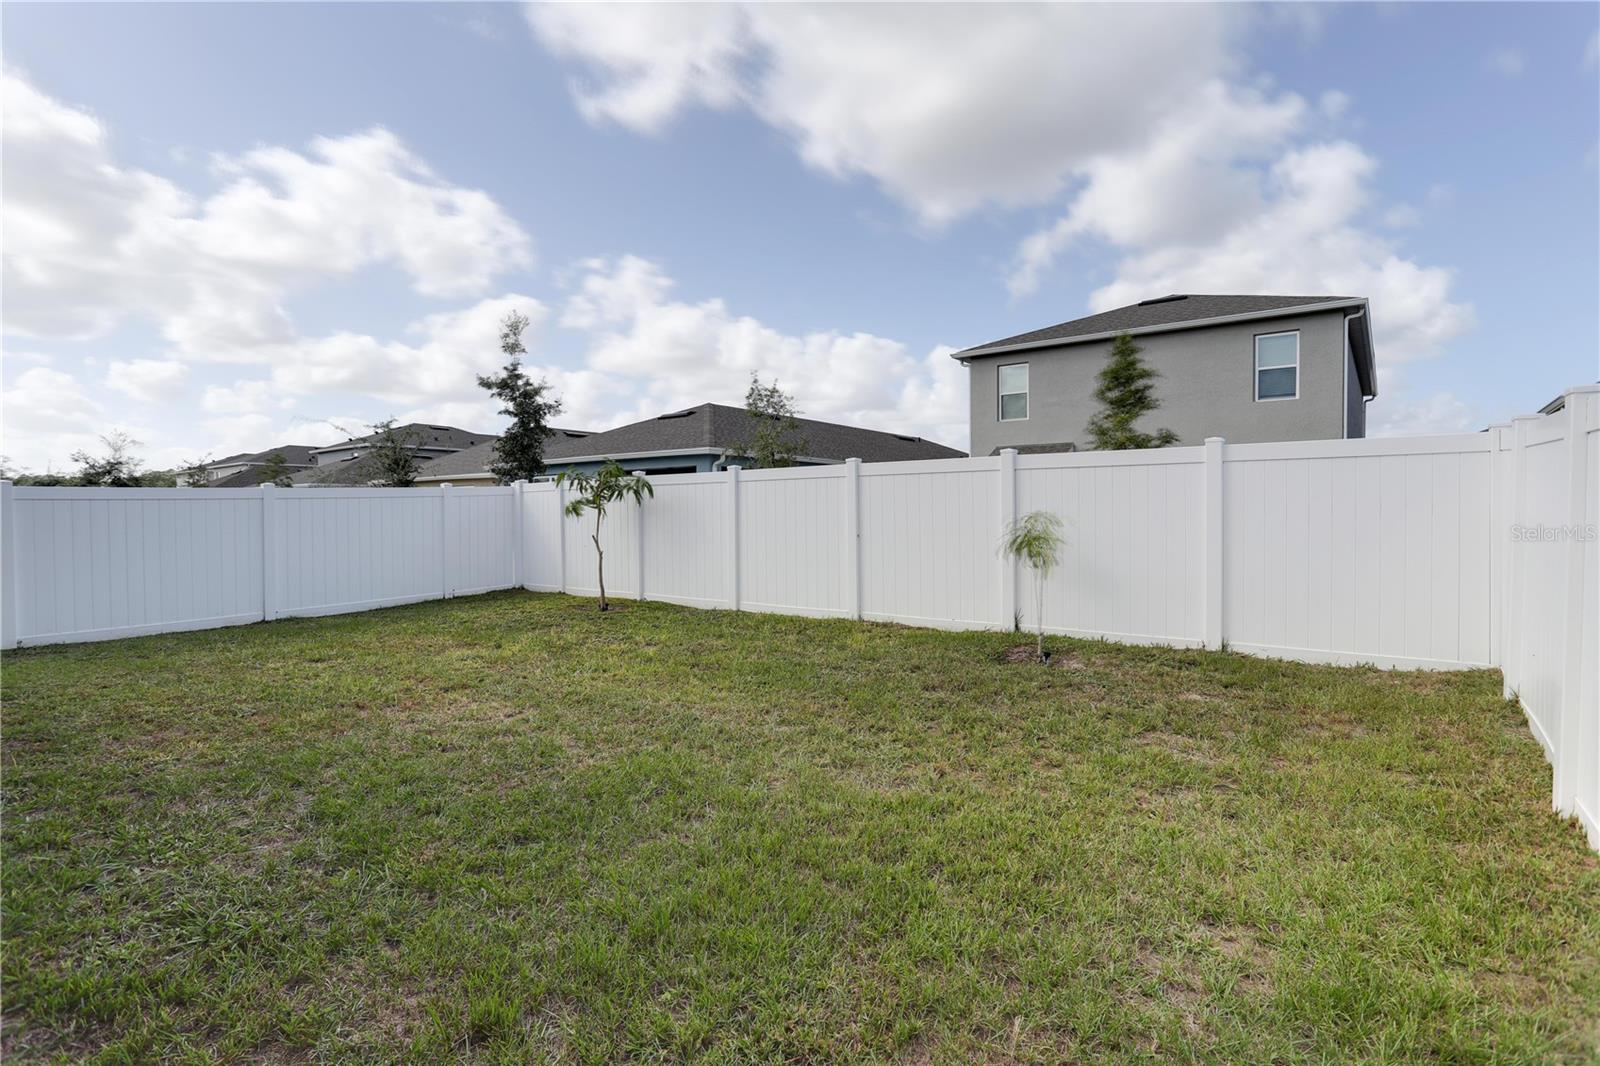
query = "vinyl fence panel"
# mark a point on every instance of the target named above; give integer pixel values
(688, 540)
(1133, 566)
(96, 563)
(1360, 551)
(928, 539)
(792, 540)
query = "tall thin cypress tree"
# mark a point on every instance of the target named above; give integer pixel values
(519, 453)
(1126, 393)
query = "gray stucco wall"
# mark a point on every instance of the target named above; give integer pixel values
(1206, 388)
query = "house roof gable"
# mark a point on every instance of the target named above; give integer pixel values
(1178, 309)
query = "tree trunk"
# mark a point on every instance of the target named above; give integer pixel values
(1038, 608)
(600, 565)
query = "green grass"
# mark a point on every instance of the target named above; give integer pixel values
(512, 829)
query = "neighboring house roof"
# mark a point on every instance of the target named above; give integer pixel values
(248, 478)
(1160, 311)
(714, 427)
(293, 455)
(709, 428)
(1186, 310)
(362, 470)
(1037, 449)
(422, 435)
(474, 461)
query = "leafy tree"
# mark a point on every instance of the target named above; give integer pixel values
(1126, 392)
(276, 470)
(778, 440)
(1035, 539)
(596, 492)
(196, 473)
(394, 454)
(519, 453)
(117, 468)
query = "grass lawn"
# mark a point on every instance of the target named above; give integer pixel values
(512, 829)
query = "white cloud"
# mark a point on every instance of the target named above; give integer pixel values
(1438, 412)
(1275, 213)
(1509, 62)
(1198, 177)
(659, 354)
(1402, 216)
(958, 106)
(48, 416)
(147, 380)
(90, 243)
(439, 361)
(660, 57)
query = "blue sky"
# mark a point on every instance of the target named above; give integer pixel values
(228, 226)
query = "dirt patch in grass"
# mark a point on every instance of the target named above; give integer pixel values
(1177, 744)
(1333, 725)
(1028, 653)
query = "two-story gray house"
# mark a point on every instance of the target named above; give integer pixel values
(1245, 368)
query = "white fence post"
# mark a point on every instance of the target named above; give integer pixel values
(638, 540)
(518, 546)
(9, 601)
(561, 536)
(444, 541)
(1214, 533)
(1497, 554)
(852, 512)
(733, 538)
(269, 551)
(1008, 515)
(1564, 788)
(1511, 672)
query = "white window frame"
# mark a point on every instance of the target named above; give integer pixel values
(1256, 367)
(999, 397)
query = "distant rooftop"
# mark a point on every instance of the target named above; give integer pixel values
(1158, 311)
(422, 435)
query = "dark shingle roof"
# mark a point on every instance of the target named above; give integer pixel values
(362, 470)
(1037, 449)
(710, 427)
(248, 478)
(423, 435)
(715, 427)
(1161, 311)
(476, 459)
(293, 455)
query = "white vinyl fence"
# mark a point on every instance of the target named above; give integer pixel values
(97, 563)
(1442, 552)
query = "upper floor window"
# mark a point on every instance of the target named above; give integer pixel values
(1278, 366)
(1014, 392)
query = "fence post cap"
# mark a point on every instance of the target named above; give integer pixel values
(733, 467)
(637, 473)
(1008, 451)
(1525, 418)
(1216, 440)
(854, 460)
(444, 484)
(1579, 390)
